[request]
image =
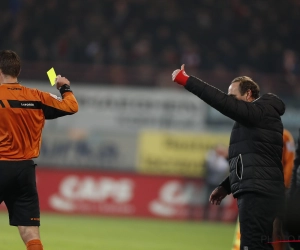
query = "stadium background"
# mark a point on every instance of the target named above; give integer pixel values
(137, 145)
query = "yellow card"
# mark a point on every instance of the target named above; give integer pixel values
(52, 75)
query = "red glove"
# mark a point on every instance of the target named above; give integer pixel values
(180, 76)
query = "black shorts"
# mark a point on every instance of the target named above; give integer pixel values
(19, 193)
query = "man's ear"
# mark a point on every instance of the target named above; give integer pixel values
(249, 94)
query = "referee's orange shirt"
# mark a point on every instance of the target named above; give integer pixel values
(23, 112)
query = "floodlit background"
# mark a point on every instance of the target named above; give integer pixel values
(133, 159)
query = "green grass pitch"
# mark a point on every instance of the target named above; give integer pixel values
(66, 232)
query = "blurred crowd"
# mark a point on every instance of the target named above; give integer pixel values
(142, 41)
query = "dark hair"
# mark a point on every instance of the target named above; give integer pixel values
(247, 83)
(10, 63)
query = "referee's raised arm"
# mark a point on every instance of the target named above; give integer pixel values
(54, 106)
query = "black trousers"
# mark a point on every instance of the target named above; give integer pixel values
(257, 214)
(293, 219)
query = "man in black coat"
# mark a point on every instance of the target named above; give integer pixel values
(255, 153)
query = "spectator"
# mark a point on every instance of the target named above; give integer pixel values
(217, 168)
(131, 32)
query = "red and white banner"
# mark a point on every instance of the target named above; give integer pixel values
(82, 192)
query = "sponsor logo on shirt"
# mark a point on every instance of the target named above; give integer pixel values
(27, 104)
(56, 97)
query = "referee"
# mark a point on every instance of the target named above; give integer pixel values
(23, 112)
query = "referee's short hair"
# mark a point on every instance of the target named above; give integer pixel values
(247, 83)
(10, 63)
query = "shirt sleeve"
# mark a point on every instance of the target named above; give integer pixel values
(288, 157)
(238, 110)
(54, 106)
(226, 184)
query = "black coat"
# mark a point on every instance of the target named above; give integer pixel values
(256, 142)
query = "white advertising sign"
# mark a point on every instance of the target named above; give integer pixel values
(131, 109)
